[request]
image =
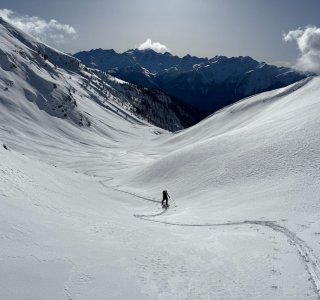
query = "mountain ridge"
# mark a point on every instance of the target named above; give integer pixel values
(80, 205)
(205, 83)
(57, 83)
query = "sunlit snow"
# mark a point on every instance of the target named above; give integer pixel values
(80, 204)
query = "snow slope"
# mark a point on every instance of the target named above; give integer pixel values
(80, 212)
(254, 161)
(57, 83)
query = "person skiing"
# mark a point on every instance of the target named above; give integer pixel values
(165, 197)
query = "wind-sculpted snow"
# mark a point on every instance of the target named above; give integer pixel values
(80, 205)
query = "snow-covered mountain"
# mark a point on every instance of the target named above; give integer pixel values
(57, 83)
(80, 205)
(208, 84)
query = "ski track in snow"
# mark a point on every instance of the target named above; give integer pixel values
(269, 141)
(102, 182)
(304, 251)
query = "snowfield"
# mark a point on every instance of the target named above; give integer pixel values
(80, 211)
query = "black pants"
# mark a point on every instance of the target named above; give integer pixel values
(165, 199)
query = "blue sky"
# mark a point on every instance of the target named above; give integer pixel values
(199, 27)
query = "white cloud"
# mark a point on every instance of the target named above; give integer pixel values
(308, 41)
(281, 63)
(148, 44)
(51, 32)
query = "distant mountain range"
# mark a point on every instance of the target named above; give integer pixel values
(207, 84)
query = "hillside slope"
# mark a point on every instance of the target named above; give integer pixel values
(57, 83)
(254, 162)
(80, 205)
(260, 150)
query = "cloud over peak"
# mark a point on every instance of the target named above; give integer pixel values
(156, 46)
(51, 31)
(308, 41)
